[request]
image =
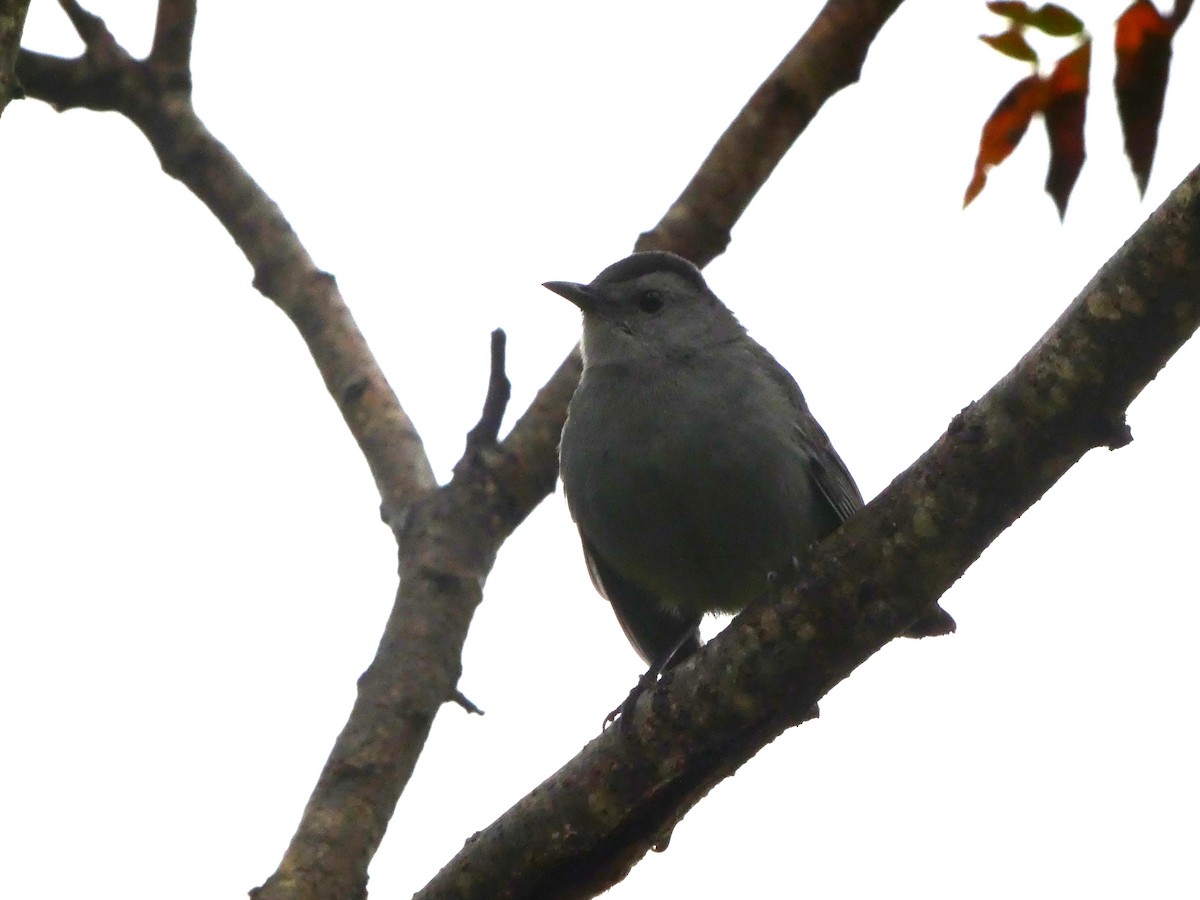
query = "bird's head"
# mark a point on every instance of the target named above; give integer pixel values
(648, 305)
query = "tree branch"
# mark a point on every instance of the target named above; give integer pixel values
(173, 28)
(826, 59)
(88, 26)
(12, 23)
(415, 669)
(448, 541)
(582, 829)
(487, 431)
(155, 94)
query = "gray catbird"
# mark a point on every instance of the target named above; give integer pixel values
(689, 458)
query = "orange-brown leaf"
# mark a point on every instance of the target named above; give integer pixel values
(1004, 129)
(1143, 47)
(1066, 110)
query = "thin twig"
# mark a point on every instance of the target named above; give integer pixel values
(89, 26)
(487, 431)
(173, 29)
(109, 78)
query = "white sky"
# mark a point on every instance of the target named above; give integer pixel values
(194, 574)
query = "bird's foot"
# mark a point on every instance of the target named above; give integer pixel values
(623, 714)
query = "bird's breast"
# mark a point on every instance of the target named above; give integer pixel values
(691, 488)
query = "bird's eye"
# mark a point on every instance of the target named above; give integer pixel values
(650, 302)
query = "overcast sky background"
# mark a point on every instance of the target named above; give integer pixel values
(194, 572)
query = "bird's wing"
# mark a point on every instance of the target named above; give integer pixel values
(836, 485)
(829, 473)
(652, 629)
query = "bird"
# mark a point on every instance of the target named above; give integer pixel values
(690, 461)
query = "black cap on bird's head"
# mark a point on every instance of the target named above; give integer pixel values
(649, 262)
(587, 296)
(648, 304)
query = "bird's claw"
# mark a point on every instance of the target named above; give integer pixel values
(623, 714)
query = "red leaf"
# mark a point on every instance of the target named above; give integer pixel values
(1143, 47)
(1004, 129)
(1066, 109)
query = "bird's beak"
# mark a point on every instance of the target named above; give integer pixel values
(579, 294)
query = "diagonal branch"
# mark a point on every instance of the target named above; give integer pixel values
(155, 94)
(88, 26)
(582, 829)
(826, 59)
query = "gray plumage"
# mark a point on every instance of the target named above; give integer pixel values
(690, 461)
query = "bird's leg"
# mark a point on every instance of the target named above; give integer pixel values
(624, 712)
